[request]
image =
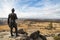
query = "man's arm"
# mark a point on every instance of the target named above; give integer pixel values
(8, 19)
(16, 16)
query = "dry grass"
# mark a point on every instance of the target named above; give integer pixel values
(33, 26)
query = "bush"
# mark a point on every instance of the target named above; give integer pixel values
(57, 37)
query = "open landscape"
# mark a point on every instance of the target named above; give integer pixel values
(47, 28)
(36, 19)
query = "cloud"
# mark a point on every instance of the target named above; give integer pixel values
(5, 6)
(31, 8)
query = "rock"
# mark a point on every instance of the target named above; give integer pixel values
(6, 36)
(21, 31)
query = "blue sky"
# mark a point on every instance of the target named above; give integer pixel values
(40, 9)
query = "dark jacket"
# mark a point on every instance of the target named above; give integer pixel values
(11, 18)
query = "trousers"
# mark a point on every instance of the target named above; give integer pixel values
(13, 25)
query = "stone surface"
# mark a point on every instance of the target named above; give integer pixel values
(6, 36)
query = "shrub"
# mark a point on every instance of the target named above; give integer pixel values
(57, 37)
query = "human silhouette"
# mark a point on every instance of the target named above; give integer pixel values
(12, 22)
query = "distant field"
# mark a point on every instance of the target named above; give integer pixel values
(31, 26)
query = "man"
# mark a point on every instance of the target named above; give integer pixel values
(12, 22)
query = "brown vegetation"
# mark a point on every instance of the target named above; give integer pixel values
(31, 26)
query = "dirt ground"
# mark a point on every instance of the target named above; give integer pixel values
(29, 27)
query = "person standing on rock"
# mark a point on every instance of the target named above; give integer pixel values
(12, 22)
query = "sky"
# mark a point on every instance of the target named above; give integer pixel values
(37, 9)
